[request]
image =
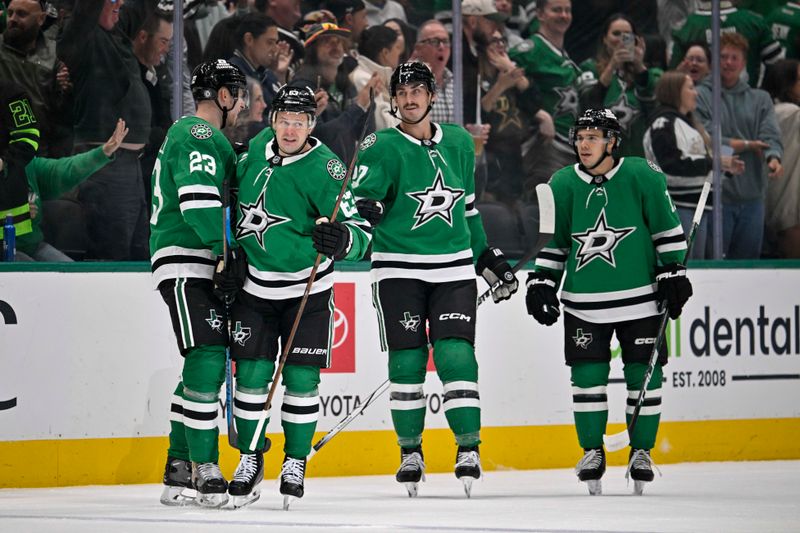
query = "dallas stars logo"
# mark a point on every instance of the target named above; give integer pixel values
(214, 321)
(438, 200)
(256, 220)
(582, 340)
(567, 101)
(625, 112)
(410, 323)
(599, 242)
(201, 131)
(240, 334)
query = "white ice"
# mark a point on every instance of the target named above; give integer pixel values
(697, 497)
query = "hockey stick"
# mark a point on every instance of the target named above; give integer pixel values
(233, 437)
(290, 341)
(620, 440)
(346, 420)
(547, 224)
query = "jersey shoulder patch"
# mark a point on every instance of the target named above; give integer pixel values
(201, 131)
(654, 166)
(524, 46)
(336, 169)
(368, 141)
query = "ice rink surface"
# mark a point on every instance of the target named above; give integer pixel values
(698, 497)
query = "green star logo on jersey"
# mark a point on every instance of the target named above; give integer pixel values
(254, 219)
(336, 169)
(599, 242)
(438, 200)
(201, 131)
(567, 101)
(626, 114)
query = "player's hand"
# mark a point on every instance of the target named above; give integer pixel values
(332, 239)
(113, 142)
(542, 300)
(494, 268)
(370, 210)
(229, 275)
(674, 288)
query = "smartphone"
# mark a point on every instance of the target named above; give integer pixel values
(629, 41)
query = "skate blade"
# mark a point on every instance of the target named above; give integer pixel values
(595, 487)
(638, 487)
(241, 501)
(213, 501)
(467, 481)
(287, 501)
(178, 496)
(412, 487)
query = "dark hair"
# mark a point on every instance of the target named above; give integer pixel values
(780, 80)
(603, 55)
(409, 34)
(374, 39)
(700, 44)
(153, 22)
(221, 43)
(342, 8)
(254, 24)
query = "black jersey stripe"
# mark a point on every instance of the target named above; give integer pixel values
(176, 408)
(647, 402)
(455, 394)
(589, 398)
(300, 409)
(279, 284)
(559, 258)
(181, 259)
(607, 304)
(405, 396)
(661, 241)
(248, 406)
(467, 261)
(195, 196)
(199, 415)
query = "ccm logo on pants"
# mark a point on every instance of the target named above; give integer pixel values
(454, 316)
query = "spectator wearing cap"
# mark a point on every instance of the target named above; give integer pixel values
(342, 109)
(256, 53)
(433, 48)
(350, 15)
(379, 11)
(96, 45)
(481, 20)
(378, 54)
(28, 57)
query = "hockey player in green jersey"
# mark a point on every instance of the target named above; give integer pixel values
(618, 245)
(784, 21)
(288, 181)
(186, 243)
(415, 183)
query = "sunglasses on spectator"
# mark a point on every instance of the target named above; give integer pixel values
(436, 42)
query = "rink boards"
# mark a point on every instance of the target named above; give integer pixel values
(88, 364)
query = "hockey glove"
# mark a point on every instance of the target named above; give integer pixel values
(494, 268)
(542, 300)
(370, 210)
(674, 288)
(229, 275)
(332, 239)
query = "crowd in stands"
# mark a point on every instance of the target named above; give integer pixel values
(529, 68)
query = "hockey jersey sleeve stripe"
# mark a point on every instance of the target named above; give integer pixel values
(552, 265)
(181, 260)
(676, 231)
(772, 53)
(198, 203)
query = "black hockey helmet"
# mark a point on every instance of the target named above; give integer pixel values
(600, 119)
(412, 72)
(295, 97)
(210, 76)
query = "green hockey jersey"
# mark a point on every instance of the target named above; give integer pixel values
(763, 48)
(559, 80)
(279, 200)
(430, 229)
(186, 227)
(785, 25)
(631, 104)
(608, 239)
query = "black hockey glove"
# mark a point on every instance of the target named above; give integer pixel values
(332, 239)
(229, 275)
(370, 210)
(542, 299)
(494, 268)
(239, 147)
(674, 288)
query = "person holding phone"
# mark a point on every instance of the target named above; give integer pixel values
(624, 83)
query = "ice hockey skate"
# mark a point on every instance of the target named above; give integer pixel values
(412, 469)
(591, 468)
(468, 466)
(178, 488)
(293, 474)
(244, 487)
(640, 469)
(212, 489)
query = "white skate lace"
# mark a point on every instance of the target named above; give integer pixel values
(591, 460)
(640, 459)
(209, 470)
(469, 459)
(248, 467)
(413, 462)
(292, 471)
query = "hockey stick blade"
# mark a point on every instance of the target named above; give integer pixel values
(346, 420)
(547, 226)
(617, 441)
